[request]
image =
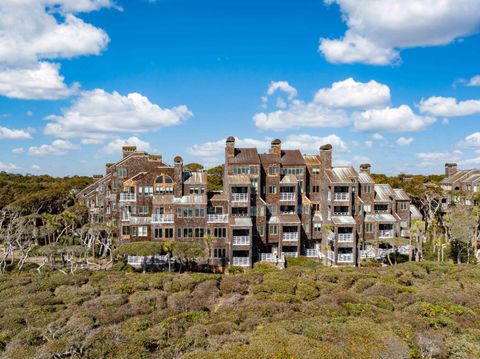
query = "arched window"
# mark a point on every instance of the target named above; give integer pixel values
(163, 185)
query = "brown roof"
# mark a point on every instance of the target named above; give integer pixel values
(312, 160)
(246, 156)
(342, 174)
(195, 177)
(268, 158)
(292, 157)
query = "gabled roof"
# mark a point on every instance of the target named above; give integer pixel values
(380, 217)
(384, 193)
(246, 156)
(461, 176)
(401, 195)
(292, 158)
(414, 212)
(312, 160)
(289, 179)
(364, 178)
(195, 177)
(268, 158)
(342, 174)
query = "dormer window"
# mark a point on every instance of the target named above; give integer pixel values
(163, 185)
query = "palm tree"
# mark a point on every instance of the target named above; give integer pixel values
(209, 239)
(168, 248)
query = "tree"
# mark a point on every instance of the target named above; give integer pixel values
(187, 253)
(215, 178)
(209, 239)
(193, 167)
(417, 230)
(168, 248)
(143, 249)
(462, 228)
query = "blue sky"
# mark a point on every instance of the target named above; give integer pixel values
(396, 87)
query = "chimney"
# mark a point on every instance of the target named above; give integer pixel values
(326, 156)
(276, 148)
(450, 169)
(365, 168)
(108, 167)
(178, 176)
(127, 150)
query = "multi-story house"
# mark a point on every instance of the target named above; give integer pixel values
(461, 187)
(273, 205)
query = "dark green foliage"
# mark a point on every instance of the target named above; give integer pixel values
(215, 178)
(412, 310)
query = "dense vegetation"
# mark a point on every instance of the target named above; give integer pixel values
(413, 310)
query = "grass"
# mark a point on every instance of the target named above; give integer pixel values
(412, 310)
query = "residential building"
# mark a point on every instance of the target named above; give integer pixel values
(461, 187)
(273, 205)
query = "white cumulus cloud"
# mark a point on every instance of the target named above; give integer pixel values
(13, 134)
(449, 107)
(116, 145)
(352, 94)
(379, 29)
(36, 31)
(437, 158)
(97, 115)
(474, 81)
(392, 119)
(57, 148)
(404, 141)
(8, 167)
(472, 140)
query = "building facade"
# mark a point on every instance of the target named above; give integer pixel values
(273, 205)
(460, 187)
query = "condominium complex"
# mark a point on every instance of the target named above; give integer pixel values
(461, 187)
(273, 205)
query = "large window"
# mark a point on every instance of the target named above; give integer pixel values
(163, 185)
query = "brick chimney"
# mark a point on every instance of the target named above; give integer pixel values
(127, 150)
(178, 176)
(365, 168)
(326, 156)
(276, 148)
(108, 167)
(450, 169)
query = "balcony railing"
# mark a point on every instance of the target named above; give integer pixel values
(345, 258)
(241, 261)
(290, 236)
(287, 196)
(140, 220)
(163, 218)
(217, 218)
(239, 197)
(241, 240)
(345, 237)
(290, 254)
(312, 253)
(341, 196)
(267, 257)
(331, 256)
(340, 213)
(128, 197)
(386, 233)
(140, 260)
(367, 253)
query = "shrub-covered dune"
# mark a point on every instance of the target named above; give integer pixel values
(411, 310)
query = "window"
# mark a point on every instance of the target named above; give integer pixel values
(368, 227)
(142, 209)
(163, 185)
(199, 212)
(315, 189)
(188, 232)
(168, 232)
(316, 170)
(260, 231)
(272, 170)
(359, 228)
(273, 229)
(367, 188)
(179, 232)
(253, 211)
(403, 206)
(142, 231)
(158, 233)
(122, 172)
(317, 227)
(219, 253)
(260, 211)
(199, 232)
(148, 190)
(220, 232)
(272, 209)
(126, 230)
(272, 189)
(254, 184)
(367, 208)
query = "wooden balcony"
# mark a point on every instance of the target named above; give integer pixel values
(341, 196)
(290, 237)
(287, 197)
(345, 237)
(217, 218)
(241, 240)
(241, 261)
(239, 197)
(163, 218)
(128, 197)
